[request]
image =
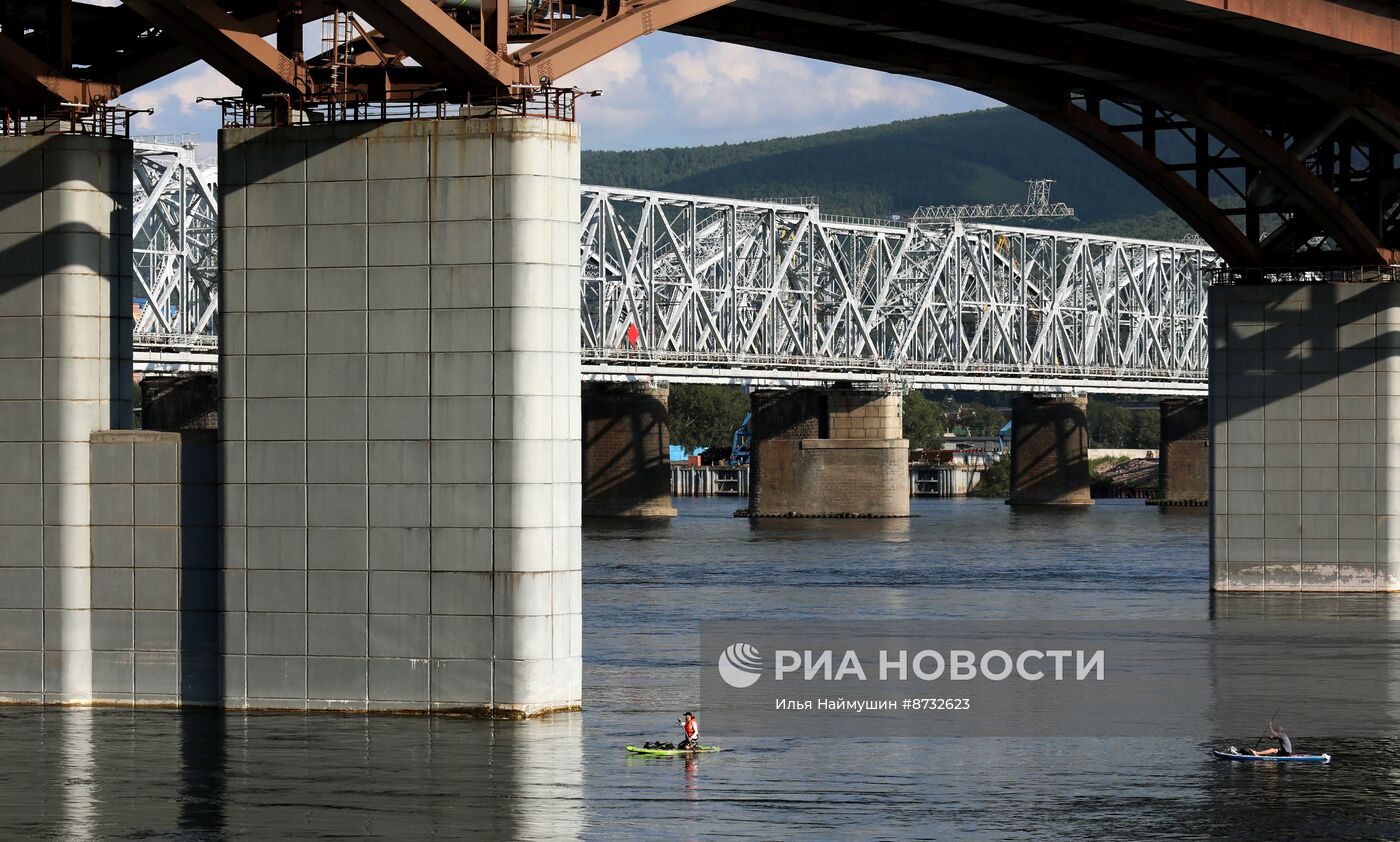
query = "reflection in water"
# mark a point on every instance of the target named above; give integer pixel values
(207, 775)
(79, 782)
(204, 763)
(548, 772)
(74, 774)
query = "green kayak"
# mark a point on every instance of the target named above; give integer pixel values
(667, 752)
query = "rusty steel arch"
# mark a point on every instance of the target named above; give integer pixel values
(1188, 67)
(1287, 110)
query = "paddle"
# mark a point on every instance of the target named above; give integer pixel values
(1266, 730)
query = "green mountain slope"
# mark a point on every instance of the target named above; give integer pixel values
(978, 156)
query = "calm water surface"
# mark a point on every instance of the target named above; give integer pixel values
(75, 774)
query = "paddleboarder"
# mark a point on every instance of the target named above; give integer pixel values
(692, 731)
(691, 740)
(1285, 745)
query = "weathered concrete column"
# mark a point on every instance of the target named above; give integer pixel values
(828, 453)
(1183, 462)
(1050, 451)
(400, 415)
(65, 371)
(626, 450)
(1305, 437)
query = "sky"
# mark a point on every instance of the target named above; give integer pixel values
(660, 90)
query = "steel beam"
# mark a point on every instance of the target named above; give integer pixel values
(222, 40)
(1327, 209)
(60, 34)
(495, 25)
(175, 229)
(1191, 204)
(27, 80)
(290, 19)
(432, 37)
(597, 35)
(1340, 22)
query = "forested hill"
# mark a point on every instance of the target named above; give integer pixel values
(977, 156)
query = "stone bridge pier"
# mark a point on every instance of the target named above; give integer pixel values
(835, 452)
(1183, 464)
(1050, 451)
(626, 450)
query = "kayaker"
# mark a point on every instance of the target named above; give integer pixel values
(1285, 745)
(692, 731)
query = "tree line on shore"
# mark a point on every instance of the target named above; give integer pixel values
(706, 415)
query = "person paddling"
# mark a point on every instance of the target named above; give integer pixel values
(1285, 745)
(691, 740)
(692, 731)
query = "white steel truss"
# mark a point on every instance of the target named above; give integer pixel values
(175, 229)
(692, 288)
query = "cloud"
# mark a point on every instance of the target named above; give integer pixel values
(628, 105)
(660, 90)
(671, 90)
(174, 100)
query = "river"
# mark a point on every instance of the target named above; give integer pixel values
(99, 774)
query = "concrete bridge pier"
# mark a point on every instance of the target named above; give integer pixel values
(65, 371)
(1050, 451)
(626, 450)
(1183, 462)
(828, 453)
(400, 415)
(1305, 437)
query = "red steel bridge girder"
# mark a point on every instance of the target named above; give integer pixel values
(1291, 103)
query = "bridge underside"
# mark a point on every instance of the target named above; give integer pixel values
(1271, 127)
(1273, 130)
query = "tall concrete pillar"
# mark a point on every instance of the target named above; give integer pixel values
(400, 415)
(1305, 437)
(626, 450)
(1050, 451)
(1183, 461)
(828, 453)
(65, 371)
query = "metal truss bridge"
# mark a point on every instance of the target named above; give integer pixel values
(693, 288)
(690, 288)
(175, 225)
